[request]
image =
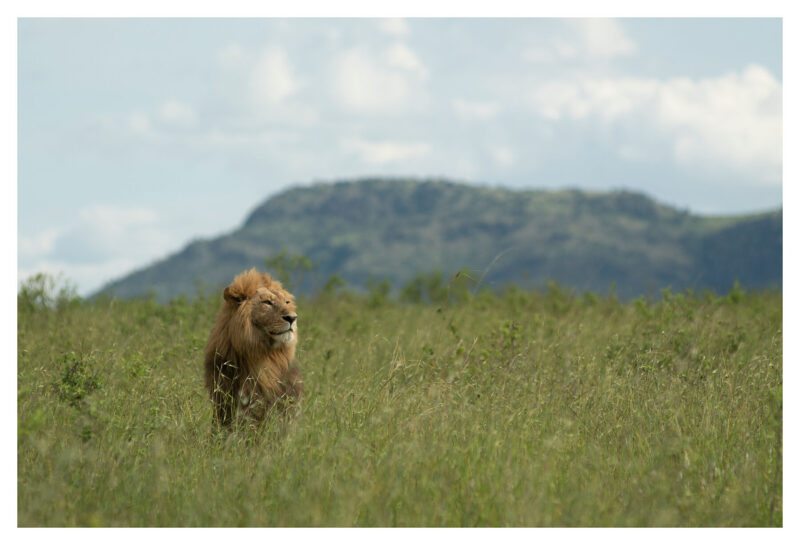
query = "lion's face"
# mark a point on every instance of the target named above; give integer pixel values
(273, 313)
(262, 310)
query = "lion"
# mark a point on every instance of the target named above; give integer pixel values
(250, 366)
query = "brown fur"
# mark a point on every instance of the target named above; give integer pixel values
(250, 367)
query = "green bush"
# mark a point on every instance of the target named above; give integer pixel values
(77, 378)
(43, 291)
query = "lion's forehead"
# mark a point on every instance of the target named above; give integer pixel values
(275, 294)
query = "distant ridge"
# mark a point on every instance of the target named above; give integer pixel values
(396, 228)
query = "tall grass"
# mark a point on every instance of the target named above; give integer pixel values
(513, 409)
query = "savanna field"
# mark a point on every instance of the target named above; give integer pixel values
(510, 408)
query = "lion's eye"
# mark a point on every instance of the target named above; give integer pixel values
(268, 303)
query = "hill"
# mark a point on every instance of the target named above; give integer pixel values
(395, 229)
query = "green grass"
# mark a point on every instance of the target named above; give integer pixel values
(521, 409)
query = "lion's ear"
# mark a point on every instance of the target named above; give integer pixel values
(232, 296)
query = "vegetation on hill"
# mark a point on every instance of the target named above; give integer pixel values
(376, 229)
(512, 408)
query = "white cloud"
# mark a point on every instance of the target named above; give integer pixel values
(103, 242)
(139, 122)
(176, 113)
(503, 156)
(382, 152)
(158, 124)
(262, 103)
(103, 232)
(393, 26)
(731, 123)
(115, 219)
(400, 56)
(32, 246)
(601, 38)
(257, 105)
(607, 98)
(473, 110)
(262, 82)
(539, 54)
(366, 83)
(635, 153)
(585, 39)
(272, 77)
(231, 56)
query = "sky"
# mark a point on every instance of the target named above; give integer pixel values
(136, 136)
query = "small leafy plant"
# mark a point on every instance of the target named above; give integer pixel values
(77, 378)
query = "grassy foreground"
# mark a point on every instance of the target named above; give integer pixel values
(520, 409)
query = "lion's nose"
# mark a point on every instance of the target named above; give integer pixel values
(290, 318)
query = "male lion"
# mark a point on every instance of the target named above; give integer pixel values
(250, 367)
